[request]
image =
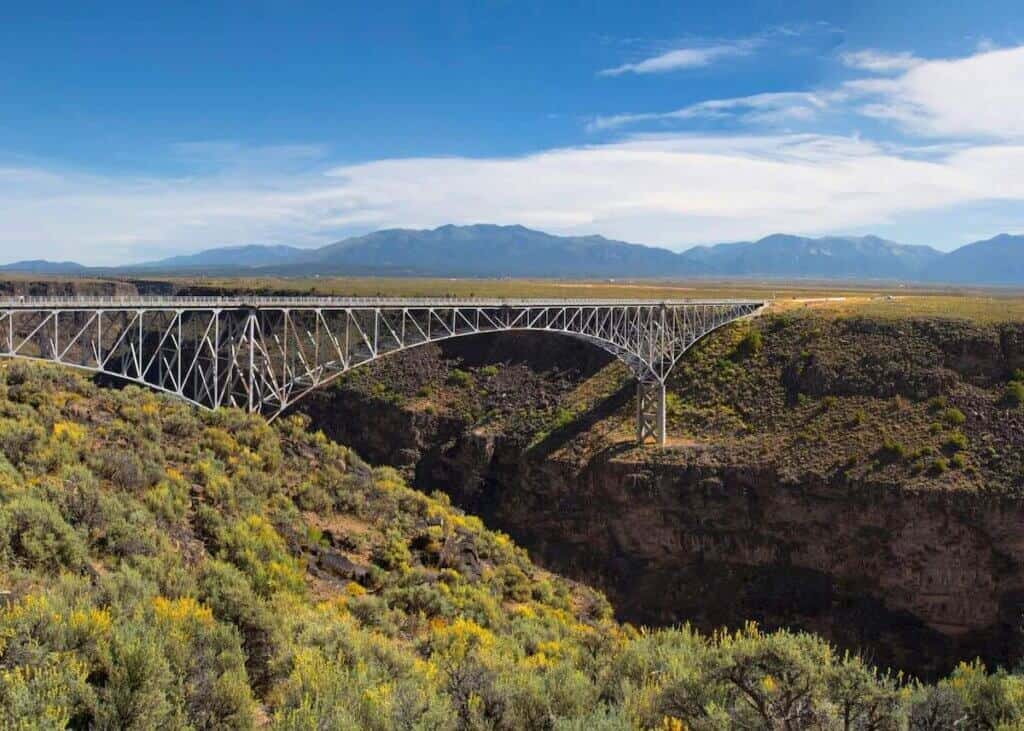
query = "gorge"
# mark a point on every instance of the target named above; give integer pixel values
(854, 477)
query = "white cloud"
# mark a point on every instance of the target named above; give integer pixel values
(671, 189)
(980, 96)
(769, 108)
(976, 97)
(880, 62)
(683, 58)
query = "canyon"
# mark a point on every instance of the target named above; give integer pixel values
(805, 488)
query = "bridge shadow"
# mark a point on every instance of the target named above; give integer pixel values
(603, 409)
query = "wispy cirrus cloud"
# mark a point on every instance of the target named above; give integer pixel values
(880, 62)
(758, 108)
(698, 53)
(980, 96)
(684, 58)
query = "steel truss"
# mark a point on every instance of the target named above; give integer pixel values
(264, 354)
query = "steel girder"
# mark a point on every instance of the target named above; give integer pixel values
(264, 354)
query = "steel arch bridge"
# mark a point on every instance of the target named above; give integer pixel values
(265, 353)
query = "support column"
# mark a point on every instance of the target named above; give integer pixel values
(250, 336)
(650, 412)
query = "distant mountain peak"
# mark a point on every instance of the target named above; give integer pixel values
(513, 250)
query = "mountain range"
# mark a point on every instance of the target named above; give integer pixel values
(485, 250)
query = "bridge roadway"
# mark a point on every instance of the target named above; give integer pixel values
(265, 353)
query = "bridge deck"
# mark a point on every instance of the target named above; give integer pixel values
(243, 302)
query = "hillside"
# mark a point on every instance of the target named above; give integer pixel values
(229, 257)
(42, 266)
(513, 251)
(998, 260)
(830, 257)
(166, 567)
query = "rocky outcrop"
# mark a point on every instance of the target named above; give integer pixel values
(65, 287)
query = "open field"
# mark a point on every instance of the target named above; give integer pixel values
(877, 299)
(880, 299)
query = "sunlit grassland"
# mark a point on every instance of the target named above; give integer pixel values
(840, 298)
(878, 299)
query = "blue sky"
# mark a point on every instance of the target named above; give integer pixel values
(135, 130)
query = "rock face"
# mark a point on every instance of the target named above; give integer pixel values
(912, 571)
(65, 288)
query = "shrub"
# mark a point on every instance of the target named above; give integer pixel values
(954, 416)
(955, 442)
(121, 467)
(43, 696)
(393, 552)
(460, 378)
(1013, 396)
(939, 466)
(514, 583)
(229, 595)
(33, 532)
(934, 709)
(673, 405)
(892, 450)
(19, 439)
(258, 550)
(937, 403)
(139, 681)
(489, 371)
(750, 344)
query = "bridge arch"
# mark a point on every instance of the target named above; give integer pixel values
(264, 354)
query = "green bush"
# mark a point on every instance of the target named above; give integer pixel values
(460, 378)
(1013, 396)
(19, 439)
(892, 451)
(33, 532)
(954, 416)
(939, 466)
(393, 552)
(44, 696)
(750, 344)
(955, 442)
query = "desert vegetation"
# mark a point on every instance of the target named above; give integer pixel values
(162, 566)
